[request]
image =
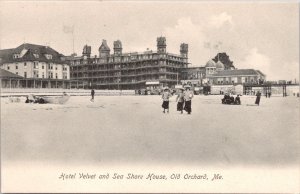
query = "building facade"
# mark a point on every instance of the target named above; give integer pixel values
(237, 76)
(39, 66)
(193, 76)
(129, 70)
(216, 73)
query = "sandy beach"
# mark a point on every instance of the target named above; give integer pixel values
(133, 129)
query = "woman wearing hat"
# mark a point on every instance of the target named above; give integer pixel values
(180, 100)
(188, 95)
(165, 96)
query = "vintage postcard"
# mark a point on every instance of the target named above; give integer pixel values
(149, 96)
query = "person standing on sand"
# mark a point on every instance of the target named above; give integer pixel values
(92, 94)
(258, 94)
(188, 95)
(165, 96)
(180, 100)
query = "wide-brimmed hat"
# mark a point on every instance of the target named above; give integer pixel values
(166, 88)
(187, 86)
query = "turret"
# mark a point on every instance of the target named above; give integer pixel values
(104, 50)
(184, 49)
(87, 51)
(161, 45)
(117, 47)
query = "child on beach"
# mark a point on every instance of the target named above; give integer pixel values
(165, 96)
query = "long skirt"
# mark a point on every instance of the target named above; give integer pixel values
(180, 106)
(165, 105)
(257, 100)
(188, 106)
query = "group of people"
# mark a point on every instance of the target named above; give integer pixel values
(229, 99)
(34, 99)
(184, 99)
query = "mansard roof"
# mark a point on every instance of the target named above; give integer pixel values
(104, 46)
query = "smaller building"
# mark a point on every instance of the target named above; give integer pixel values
(236, 76)
(34, 66)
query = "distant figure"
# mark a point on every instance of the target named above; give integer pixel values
(180, 100)
(237, 100)
(92, 94)
(27, 100)
(226, 99)
(269, 94)
(188, 95)
(231, 99)
(258, 94)
(165, 96)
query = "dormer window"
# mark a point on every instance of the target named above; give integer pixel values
(36, 55)
(15, 56)
(48, 56)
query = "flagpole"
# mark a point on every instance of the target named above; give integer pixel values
(73, 38)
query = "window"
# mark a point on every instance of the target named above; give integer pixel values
(36, 55)
(15, 56)
(17, 67)
(56, 76)
(43, 75)
(48, 56)
(17, 73)
(8, 67)
(35, 64)
(25, 74)
(25, 65)
(42, 66)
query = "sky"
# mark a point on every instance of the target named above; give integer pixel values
(258, 35)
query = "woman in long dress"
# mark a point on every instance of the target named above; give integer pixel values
(180, 100)
(258, 95)
(188, 95)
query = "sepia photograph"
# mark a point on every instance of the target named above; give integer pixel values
(149, 96)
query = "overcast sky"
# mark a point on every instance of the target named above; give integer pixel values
(255, 35)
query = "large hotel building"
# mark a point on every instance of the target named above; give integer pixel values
(149, 69)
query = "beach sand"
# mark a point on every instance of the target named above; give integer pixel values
(133, 129)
